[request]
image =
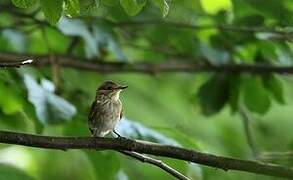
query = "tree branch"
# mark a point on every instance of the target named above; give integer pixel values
(15, 63)
(224, 163)
(155, 162)
(223, 27)
(156, 22)
(184, 65)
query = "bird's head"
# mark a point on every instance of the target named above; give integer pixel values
(110, 89)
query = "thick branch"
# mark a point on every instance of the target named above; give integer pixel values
(188, 65)
(224, 163)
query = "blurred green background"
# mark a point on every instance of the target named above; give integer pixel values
(206, 111)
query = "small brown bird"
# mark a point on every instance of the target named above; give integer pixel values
(106, 110)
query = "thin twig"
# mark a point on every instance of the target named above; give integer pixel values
(269, 156)
(223, 27)
(155, 162)
(247, 129)
(225, 163)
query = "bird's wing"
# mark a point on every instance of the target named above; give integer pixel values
(93, 111)
(121, 113)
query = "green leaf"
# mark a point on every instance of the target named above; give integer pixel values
(165, 8)
(274, 9)
(250, 20)
(24, 3)
(9, 101)
(110, 2)
(50, 108)
(274, 85)
(234, 91)
(72, 7)
(13, 173)
(213, 55)
(52, 10)
(256, 97)
(67, 165)
(132, 7)
(213, 7)
(284, 54)
(163, 5)
(88, 6)
(214, 94)
(106, 165)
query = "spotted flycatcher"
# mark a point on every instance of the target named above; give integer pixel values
(106, 110)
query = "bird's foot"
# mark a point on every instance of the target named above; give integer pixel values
(118, 135)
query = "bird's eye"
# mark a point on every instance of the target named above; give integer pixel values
(108, 88)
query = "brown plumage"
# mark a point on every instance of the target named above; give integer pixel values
(106, 110)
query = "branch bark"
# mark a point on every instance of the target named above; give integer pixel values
(184, 65)
(224, 163)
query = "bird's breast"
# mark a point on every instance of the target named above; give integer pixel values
(112, 110)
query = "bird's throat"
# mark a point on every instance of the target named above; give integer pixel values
(116, 96)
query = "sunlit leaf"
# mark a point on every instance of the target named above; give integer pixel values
(132, 7)
(213, 7)
(9, 101)
(88, 6)
(24, 3)
(136, 130)
(163, 5)
(52, 10)
(72, 7)
(76, 27)
(50, 108)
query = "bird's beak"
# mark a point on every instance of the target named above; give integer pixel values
(122, 87)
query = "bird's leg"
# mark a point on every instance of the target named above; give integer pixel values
(118, 135)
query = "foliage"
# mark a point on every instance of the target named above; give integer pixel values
(183, 109)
